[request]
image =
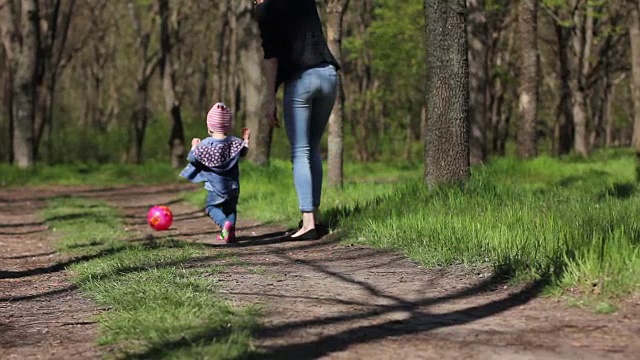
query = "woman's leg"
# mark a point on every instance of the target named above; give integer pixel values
(321, 108)
(297, 114)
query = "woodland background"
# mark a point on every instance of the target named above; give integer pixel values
(128, 81)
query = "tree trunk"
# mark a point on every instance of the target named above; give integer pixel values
(172, 103)
(140, 120)
(7, 87)
(478, 76)
(499, 116)
(335, 15)
(24, 91)
(634, 36)
(564, 125)
(8, 104)
(447, 141)
(609, 117)
(146, 68)
(529, 67)
(582, 42)
(253, 84)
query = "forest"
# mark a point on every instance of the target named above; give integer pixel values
(98, 81)
(482, 184)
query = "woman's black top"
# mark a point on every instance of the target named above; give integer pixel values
(292, 32)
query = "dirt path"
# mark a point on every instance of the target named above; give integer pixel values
(42, 315)
(324, 300)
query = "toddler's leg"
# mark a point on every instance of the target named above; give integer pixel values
(217, 214)
(231, 211)
(229, 230)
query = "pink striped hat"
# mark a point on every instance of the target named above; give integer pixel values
(219, 119)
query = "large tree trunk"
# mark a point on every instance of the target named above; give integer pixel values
(609, 120)
(24, 90)
(253, 84)
(140, 120)
(146, 68)
(634, 36)
(529, 63)
(582, 44)
(9, 42)
(478, 77)
(564, 125)
(335, 11)
(7, 103)
(500, 116)
(58, 22)
(447, 141)
(172, 103)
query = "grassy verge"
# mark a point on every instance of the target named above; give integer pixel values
(161, 299)
(88, 174)
(268, 195)
(571, 220)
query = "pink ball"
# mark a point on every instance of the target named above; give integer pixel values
(160, 217)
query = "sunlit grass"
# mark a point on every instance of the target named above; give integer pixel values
(161, 296)
(268, 194)
(88, 175)
(570, 220)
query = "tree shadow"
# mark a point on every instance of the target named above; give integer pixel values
(419, 322)
(335, 215)
(60, 266)
(45, 294)
(28, 256)
(23, 224)
(57, 267)
(147, 206)
(161, 349)
(589, 175)
(27, 232)
(620, 191)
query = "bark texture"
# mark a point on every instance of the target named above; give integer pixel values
(447, 139)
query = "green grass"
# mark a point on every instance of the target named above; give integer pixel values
(88, 174)
(161, 300)
(572, 221)
(569, 220)
(268, 195)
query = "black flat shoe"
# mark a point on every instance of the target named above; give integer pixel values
(309, 235)
(321, 228)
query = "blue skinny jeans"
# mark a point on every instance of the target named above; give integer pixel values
(221, 212)
(308, 101)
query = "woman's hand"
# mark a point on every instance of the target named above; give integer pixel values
(246, 134)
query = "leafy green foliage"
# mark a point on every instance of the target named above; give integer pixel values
(392, 52)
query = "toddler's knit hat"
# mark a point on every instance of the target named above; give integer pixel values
(219, 119)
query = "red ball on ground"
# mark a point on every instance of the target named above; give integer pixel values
(160, 217)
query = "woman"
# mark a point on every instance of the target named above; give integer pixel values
(296, 54)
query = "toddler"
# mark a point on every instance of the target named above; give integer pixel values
(214, 161)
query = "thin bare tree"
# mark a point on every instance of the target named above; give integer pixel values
(529, 79)
(172, 102)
